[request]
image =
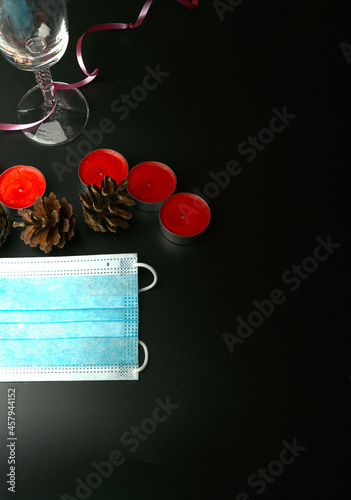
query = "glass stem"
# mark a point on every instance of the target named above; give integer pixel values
(46, 84)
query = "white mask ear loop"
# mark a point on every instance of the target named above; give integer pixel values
(148, 287)
(146, 360)
(141, 264)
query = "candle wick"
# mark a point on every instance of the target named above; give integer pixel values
(148, 183)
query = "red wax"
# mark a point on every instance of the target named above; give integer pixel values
(151, 182)
(94, 166)
(185, 214)
(20, 185)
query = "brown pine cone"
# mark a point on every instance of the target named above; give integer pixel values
(107, 208)
(51, 223)
(5, 225)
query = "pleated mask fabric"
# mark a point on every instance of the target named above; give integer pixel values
(70, 318)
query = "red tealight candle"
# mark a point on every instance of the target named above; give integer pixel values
(19, 187)
(150, 183)
(183, 217)
(95, 165)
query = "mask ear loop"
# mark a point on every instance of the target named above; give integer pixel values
(146, 360)
(141, 264)
(148, 287)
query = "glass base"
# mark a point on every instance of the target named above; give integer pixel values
(65, 124)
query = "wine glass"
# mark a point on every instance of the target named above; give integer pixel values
(33, 37)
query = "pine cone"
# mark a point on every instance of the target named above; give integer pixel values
(4, 225)
(51, 223)
(107, 208)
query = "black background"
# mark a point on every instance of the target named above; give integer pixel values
(290, 380)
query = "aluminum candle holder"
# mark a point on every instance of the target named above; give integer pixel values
(95, 165)
(150, 183)
(184, 217)
(19, 187)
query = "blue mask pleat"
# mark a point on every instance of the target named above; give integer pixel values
(67, 292)
(71, 352)
(65, 330)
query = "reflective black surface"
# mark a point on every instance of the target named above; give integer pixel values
(248, 102)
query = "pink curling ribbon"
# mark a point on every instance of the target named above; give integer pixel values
(190, 4)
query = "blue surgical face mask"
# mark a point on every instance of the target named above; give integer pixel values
(70, 318)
